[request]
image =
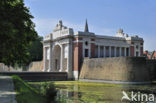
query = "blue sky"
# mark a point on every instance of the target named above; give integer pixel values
(105, 17)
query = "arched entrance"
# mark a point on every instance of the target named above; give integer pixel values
(56, 58)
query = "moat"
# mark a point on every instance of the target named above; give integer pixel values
(82, 92)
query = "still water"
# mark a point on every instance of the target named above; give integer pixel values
(83, 92)
(78, 93)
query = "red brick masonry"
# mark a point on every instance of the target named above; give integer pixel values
(77, 56)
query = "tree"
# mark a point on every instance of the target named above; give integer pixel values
(36, 50)
(16, 32)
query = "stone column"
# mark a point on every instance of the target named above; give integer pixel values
(61, 58)
(45, 58)
(98, 51)
(110, 51)
(125, 51)
(104, 51)
(69, 60)
(114, 51)
(50, 58)
(119, 51)
(129, 52)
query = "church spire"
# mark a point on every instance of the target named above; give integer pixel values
(86, 27)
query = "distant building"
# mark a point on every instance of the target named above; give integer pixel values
(64, 50)
(150, 55)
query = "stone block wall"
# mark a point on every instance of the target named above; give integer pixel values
(3, 67)
(33, 66)
(36, 66)
(131, 69)
(151, 65)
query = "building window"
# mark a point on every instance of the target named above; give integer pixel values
(122, 52)
(107, 51)
(127, 51)
(117, 52)
(96, 51)
(86, 43)
(137, 54)
(86, 52)
(101, 51)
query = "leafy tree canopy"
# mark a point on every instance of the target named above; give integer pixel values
(16, 32)
(36, 49)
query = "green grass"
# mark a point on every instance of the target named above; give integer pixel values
(77, 83)
(25, 93)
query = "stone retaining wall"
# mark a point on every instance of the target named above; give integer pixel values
(35, 66)
(131, 69)
(151, 65)
(3, 67)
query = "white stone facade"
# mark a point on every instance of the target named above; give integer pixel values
(64, 50)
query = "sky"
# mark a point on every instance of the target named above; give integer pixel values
(105, 17)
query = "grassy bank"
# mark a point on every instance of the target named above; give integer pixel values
(76, 83)
(27, 94)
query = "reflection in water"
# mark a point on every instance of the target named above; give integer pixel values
(98, 94)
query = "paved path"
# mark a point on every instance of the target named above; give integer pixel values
(7, 93)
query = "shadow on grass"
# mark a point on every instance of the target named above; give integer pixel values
(29, 94)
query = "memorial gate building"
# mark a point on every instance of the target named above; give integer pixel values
(65, 50)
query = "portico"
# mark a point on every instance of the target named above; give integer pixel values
(112, 51)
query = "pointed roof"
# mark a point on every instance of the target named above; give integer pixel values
(86, 27)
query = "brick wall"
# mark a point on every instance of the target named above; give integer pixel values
(132, 50)
(92, 50)
(77, 56)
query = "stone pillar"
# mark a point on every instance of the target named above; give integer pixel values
(104, 51)
(50, 58)
(98, 51)
(129, 51)
(110, 51)
(61, 59)
(125, 51)
(119, 51)
(69, 60)
(44, 58)
(114, 51)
